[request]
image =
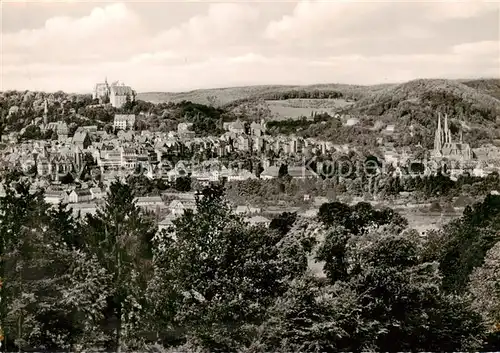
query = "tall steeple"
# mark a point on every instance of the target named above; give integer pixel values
(45, 113)
(438, 139)
(447, 137)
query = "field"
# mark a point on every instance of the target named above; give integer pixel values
(297, 108)
(223, 96)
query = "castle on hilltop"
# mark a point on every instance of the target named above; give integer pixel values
(116, 93)
(445, 147)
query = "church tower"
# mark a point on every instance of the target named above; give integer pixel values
(447, 135)
(45, 113)
(438, 139)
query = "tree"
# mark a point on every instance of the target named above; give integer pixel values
(221, 274)
(358, 218)
(67, 179)
(33, 270)
(32, 132)
(121, 239)
(284, 222)
(183, 184)
(387, 274)
(484, 286)
(465, 242)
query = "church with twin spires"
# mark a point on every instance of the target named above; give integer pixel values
(445, 147)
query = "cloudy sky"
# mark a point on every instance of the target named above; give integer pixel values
(182, 45)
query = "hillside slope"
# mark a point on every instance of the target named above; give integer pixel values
(488, 86)
(225, 96)
(421, 98)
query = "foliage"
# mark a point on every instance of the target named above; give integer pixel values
(465, 242)
(358, 218)
(284, 222)
(121, 239)
(211, 282)
(223, 274)
(183, 184)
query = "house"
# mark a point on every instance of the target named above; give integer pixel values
(301, 173)
(389, 129)
(258, 220)
(150, 202)
(83, 209)
(81, 139)
(79, 196)
(124, 121)
(96, 193)
(55, 197)
(178, 207)
(120, 94)
(166, 222)
(236, 127)
(242, 174)
(257, 129)
(271, 172)
(185, 129)
(247, 210)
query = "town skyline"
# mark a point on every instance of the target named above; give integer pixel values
(161, 46)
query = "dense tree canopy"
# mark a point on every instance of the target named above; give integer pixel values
(213, 282)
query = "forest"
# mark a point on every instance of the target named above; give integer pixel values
(214, 283)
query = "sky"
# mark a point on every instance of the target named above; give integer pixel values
(184, 45)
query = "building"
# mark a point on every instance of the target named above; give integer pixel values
(257, 129)
(96, 193)
(120, 94)
(101, 91)
(185, 130)
(444, 147)
(271, 172)
(60, 128)
(178, 207)
(150, 202)
(81, 139)
(258, 221)
(124, 122)
(167, 222)
(236, 127)
(79, 196)
(55, 197)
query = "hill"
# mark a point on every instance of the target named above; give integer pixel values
(487, 86)
(418, 99)
(231, 95)
(472, 105)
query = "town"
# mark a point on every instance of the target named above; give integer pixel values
(77, 168)
(249, 176)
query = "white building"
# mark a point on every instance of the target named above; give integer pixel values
(118, 95)
(124, 121)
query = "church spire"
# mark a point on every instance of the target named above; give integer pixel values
(438, 139)
(45, 112)
(447, 137)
